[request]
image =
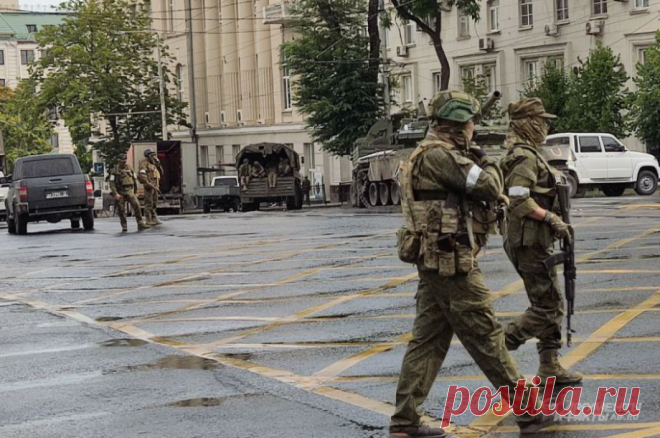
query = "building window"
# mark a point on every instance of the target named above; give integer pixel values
(600, 7)
(557, 62)
(235, 149)
(489, 77)
(179, 82)
(170, 14)
(2, 57)
(308, 153)
(410, 33)
(463, 25)
(386, 37)
(531, 71)
(494, 15)
(204, 156)
(641, 4)
(406, 89)
(641, 55)
(27, 57)
(55, 140)
(286, 84)
(467, 74)
(31, 28)
(437, 82)
(3, 82)
(526, 13)
(561, 10)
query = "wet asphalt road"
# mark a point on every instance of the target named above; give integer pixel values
(286, 325)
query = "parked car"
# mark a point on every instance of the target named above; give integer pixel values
(224, 193)
(4, 189)
(599, 160)
(50, 188)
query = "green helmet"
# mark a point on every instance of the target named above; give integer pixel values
(454, 105)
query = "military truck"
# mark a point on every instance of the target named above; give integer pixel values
(376, 157)
(288, 188)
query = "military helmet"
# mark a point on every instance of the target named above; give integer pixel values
(122, 157)
(530, 107)
(148, 152)
(454, 105)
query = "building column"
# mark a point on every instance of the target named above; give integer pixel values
(199, 52)
(213, 61)
(266, 107)
(247, 61)
(231, 89)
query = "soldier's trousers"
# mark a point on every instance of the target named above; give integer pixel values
(131, 199)
(446, 306)
(543, 318)
(150, 203)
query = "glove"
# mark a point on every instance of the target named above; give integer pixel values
(560, 228)
(117, 197)
(504, 199)
(478, 152)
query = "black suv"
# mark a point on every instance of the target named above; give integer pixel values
(50, 188)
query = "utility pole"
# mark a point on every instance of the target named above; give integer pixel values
(161, 80)
(191, 83)
(385, 66)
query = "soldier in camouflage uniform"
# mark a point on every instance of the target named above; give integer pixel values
(445, 183)
(244, 172)
(149, 175)
(123, 185)
(530, 236)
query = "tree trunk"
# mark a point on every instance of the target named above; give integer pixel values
(374, 38)
(445, 70)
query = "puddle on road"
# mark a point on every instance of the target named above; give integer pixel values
(174, 363)
(108, 318)
(123, 342)
(204, 402)
(240, 356)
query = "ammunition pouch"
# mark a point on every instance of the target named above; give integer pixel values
(408, 245)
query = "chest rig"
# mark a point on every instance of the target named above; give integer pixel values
(438, 223)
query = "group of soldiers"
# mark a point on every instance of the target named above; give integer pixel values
(448, 184)
(255, 170)
(123, 185)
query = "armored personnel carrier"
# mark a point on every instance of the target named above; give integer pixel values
(376, 157)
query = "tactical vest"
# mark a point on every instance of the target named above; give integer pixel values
(125, 178)
(152, 171)
(436, 232)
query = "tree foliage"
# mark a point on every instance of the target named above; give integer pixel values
(477, 87)
(100, 61)
(25, 126)
(427, 16)
(335, 75)
(553, 87)
(646, 101)
(84, 156)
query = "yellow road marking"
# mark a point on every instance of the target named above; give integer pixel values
(654, 431)
(394, 379)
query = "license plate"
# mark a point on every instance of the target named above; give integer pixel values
(60, 194)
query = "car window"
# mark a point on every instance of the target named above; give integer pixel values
(589, 144)
(47, 168)
(225, 182)
(564, 141)
(612, 145)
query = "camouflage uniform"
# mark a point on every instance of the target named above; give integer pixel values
(257, 170)
(530, 183)
(123, 184)
(442, 181)
(149, 175)
(244, 171)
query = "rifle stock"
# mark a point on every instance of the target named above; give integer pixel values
(567, 256)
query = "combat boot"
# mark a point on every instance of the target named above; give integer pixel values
(143, 226)
(154, 219)
(549, 366)
(539, 423)
(421, 431)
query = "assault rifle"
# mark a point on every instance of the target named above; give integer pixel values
(566, 257)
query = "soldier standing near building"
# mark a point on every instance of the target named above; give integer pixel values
(149, 175)
(123, 185)
(530, 235)
(306, 188)
(445, 182)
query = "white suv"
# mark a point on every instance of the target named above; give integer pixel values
(4, 189)
(602, 161)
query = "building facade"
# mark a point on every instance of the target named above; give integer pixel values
(514, 39)
(243, 90)
(18, 49)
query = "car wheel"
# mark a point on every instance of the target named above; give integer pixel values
(88, 220)
(21, 224)
(613, 189)
(572, 182)
(11, 225)
(647, 183)
(75, 224)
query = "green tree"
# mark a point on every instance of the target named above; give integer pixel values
(477, 87)
(553, 87)
(598, 99)
(25, 126)
(646, 101)
(335, 75)
(100, 61)
(84, 156)
(427, 16)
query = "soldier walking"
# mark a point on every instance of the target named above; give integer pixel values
(445, 182)
(149, 175)
(530, 236)
(123, 185)
(306, 188)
